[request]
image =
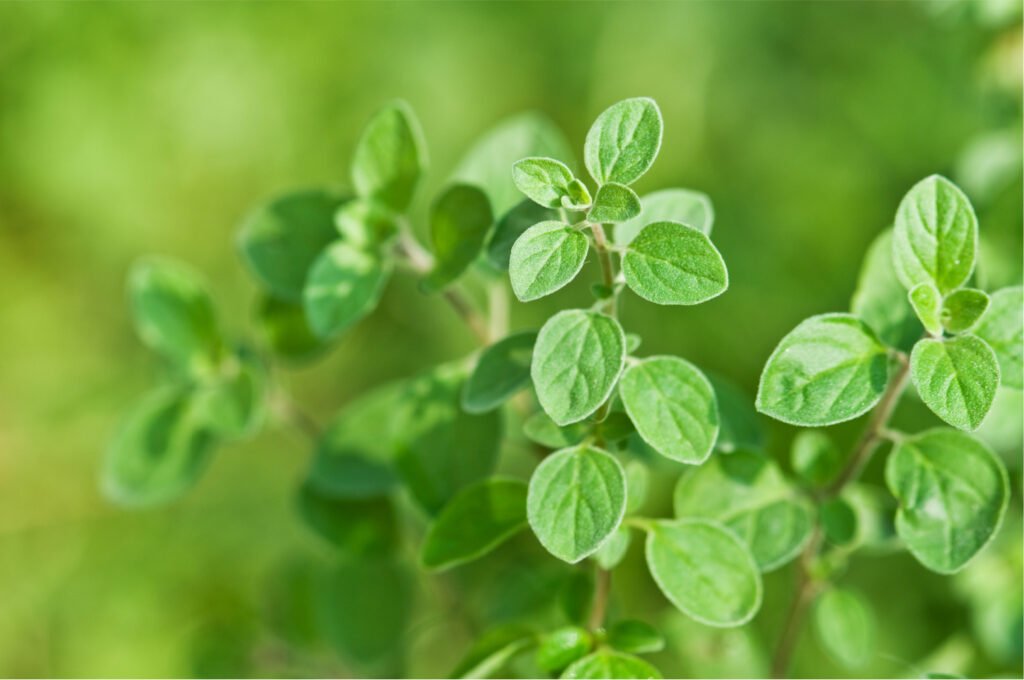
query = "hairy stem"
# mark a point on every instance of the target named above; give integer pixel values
(599, 606)
(607, 268)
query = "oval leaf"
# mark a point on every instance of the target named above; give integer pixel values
(623, 142)
(576, 500)
(510, 227)
(502, 370)
(234, 402)
(636, 637)
(963, 308)
(561, 647)
(672, 264)
(344, 285)
(459, 222)
(880, 299)
(545, 258)
(815, 457)
(845, 626)
(390, 157)
(611, 665)
(691, 208)
(547, 182)
(927, 303)
(285, 329)
(956, 378)
(614, 203)
(1002, 327)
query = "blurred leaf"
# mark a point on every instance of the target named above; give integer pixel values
(739, 426)
(691, 208)
(390, 157)
(636, 637)
(286, 331)
(957, 378)
(673, 407)
(280, 240)
(550, 183)
(638, 478)
(672, 264)
(1002, 327)
(880, 299)
(541, 429)
(560, 648)
(612, 551)
(576, 596)
(839, 521)
(292, 601)
(546, 258)
(926, 300)
(460, 220)
(962, 308)
(234, 402)
(614, 203)
(358, 528)
(815, 457)
(344, 285)
(845, 626)
(624, 140)
(606, 663)
(577, 499)
(510, 227)
(493, 650)
(478, 519)
(365, 224)
(502, 370)
(614, 428)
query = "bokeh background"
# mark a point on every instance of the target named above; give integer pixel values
(132, 128)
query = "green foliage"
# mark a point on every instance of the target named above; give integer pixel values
(957, 378)
(845, 626)
(739, 426)
(927, 303)
(672, 264)
(550, 183)
(493, 650)
(285, 330)
(1002, 327)
(614, 203)
(459, 223)
(390, 158)
(510, 227)
(880, 299)
(576, 501)
(635, 637)
(691, 208)
(357, 528)
(502, 370)
(561, 647)
(344, 285)
(610, 665)
(962, 308)
(545, 258)
(623, 142)
(838, 521)
(815, 457)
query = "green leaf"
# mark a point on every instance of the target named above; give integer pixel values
(927, 303)
(612, 551)
(747, 493)
(560, 648)
(510, 227)
(365, 224)
(963, 308)
(704, 570)
(638, 480)
(576, 363)
(739, 426)
(815, 457)
(477, 520)
(174, 314)
(1002, 327)
(390, 157)
(487, 163)
(839, 521)
(541, 429)
(614, 428)
(576, 596)
(159, 451)
(845, 627)
(935, 236)
(880, 299)
(577, 499)
(614, 203)
(284, 328)
(502, 370)
(956, 378)
(952, 492)
(611, 665)
(632, 340)
(545, 258)
(280, 240)
(550, 183)
(623, 142)
(356, 527)
(691, 208)
(635, 637)
(460, 220)
(344, 285)
(234, 402)
(439, 447)
(673, 407)
(672, 264)
(493, 650)
(828, 369)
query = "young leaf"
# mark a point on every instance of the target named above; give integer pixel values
(952, 492)
(956, 378)
(493, 650)
(747, 493)
(510, 227)
(739, 426)
(610, 665)
(478, 519)
(1002, 327)
(234, 402)
(635, 637)
(614, 203)
(880, 299)
(359, 528)
(561, 647)
(576, 500)
(962, 308)
(541, 429)
(672, 264)
(828, 369)
(845, 626)
(935, 236)
(174, 314)
(549, 182)
(611, 553)
(390, 157)
(545, 258)
(364, 223)
(576, 363)
(815, 457)
(673, 407)
(440, 448)
(280, 240)
(927, 303)
(692, 208)
(344, 285)
(705, 571)
(839, 521)
(459, 222)
(283, 326)
(623, 142)
(502, 370)
(159, 450)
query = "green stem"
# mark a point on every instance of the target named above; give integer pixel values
(607, 267)
(599, 606)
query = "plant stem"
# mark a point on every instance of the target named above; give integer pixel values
(807, 588)
(607, 268)
(602, 587)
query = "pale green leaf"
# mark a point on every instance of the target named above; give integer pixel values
(365, 223)
(355, 527)
(963, 308)
(549, 182)
(635, 637)
(672, 264)
(502, 370)
(845, 626)
(344, 285)
(828, 369)
(460, 220)
(545, 258)
(952, 492)
(746, 492)
(692, 208)
(926, 300)
(624, 141)
(614, 203)
(541, 429)
(560, 648)
(610, 665)
(739, 425)
(390, 157)
(510, 227)
(234, 401)
(956, 378)
(815, 457)
(673, 407)
(638, 481)
(935, 236)
(704, 570)
(576, 363)
(577, 499)
(612, 551)
(476, 520)
(880, 299)
(1002, 327)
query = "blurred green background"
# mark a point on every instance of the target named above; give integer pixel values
(132, 128)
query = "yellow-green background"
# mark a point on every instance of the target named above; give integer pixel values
(131, 128)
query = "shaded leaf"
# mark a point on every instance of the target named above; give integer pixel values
(344, 285)
(502, 370)
(460, 220)
(880, 299)
(390, 157)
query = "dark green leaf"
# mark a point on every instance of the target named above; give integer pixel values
(739, 426)
(460, 220)
(839, 521)
(390, 157)
(672, 264)
(510, 227)
(576, 596)
(356, 527)
(502, 370)
(284, 328)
